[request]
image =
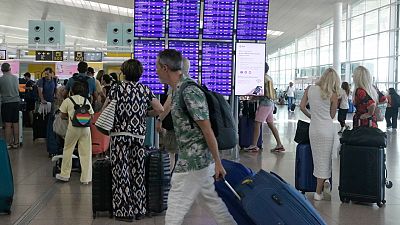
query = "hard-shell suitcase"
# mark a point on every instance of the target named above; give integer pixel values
(235, 174)
(102, 187)
(246, 126)
(363, 174)
(267, 197)
(6, 180)
(39, 126)
(305, 181)
(158, 180)
(100, 142)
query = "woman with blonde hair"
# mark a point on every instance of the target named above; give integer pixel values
(365, 98)
(323, 101)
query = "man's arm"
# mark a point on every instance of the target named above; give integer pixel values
(212, 144)
(40, 91)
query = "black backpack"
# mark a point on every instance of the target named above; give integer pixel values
(220, 113)
(85, 82)
(81, 116)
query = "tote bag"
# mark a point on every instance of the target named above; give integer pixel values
(105, 122)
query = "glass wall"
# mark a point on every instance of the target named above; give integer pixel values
(369, 41)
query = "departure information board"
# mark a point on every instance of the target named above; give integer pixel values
(146, 52)
(217, 67)
(149, 18)
(190, 50)
(184, 19)
(252, 19)
(218, 19)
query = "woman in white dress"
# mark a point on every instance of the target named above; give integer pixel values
(323, 100)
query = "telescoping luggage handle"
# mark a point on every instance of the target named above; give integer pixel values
(232, 189)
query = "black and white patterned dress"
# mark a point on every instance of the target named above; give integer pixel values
(128, 153)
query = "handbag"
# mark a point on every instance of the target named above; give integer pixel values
(380, 111)
(60, 126)
(302, 132)
(105, 122)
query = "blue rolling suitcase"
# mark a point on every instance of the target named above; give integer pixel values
(235, 174)
(268, 199)
(6, 179)
(246, 126)
(305, 181)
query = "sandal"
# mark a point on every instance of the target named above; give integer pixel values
(252, 149)
(15, 146)
(278, 149)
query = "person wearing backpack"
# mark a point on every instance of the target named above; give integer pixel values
(199, 158)
(392, 110)
(87, 81)
(78, 111)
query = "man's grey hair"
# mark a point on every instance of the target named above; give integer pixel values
(172, 58)
(185, 66)
(5, 67)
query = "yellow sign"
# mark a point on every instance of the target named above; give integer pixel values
(79, 56)
(37, 69)
(58, 56)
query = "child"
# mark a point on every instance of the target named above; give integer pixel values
(76, 134)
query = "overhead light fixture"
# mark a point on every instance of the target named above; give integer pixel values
(13, 28)
(70, 36)
(274, 33)
(95, 6)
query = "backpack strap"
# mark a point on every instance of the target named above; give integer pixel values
(182, 100)
(72, 100)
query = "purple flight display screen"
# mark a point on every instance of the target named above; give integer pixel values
(146, 52)
(184, 18)
(217, 67)
(149, 18)
(190, 50)
(252, 19)
(218, 19)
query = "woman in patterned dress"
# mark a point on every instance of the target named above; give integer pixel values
(365, 98)
(127, 139)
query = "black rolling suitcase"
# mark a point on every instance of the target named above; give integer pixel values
(158, 180)
(102, 187)
(39, 126)
(363, 173)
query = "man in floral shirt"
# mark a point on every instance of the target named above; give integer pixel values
(198, 153)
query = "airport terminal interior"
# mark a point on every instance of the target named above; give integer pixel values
(228, 43)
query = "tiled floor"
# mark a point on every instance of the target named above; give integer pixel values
(39, 200)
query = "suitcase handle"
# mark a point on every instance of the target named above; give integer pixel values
(279, 177)
(232, 189)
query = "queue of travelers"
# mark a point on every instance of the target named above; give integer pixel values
(192, 146)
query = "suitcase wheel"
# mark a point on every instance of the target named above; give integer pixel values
(110, 214)
(389, 184)
(380, 204)
(8, 212)
(344, 200)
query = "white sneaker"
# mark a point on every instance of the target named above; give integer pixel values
(318, 197)
(327, 190)
(59, 177)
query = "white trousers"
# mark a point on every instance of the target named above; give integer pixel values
(195, 185)
(84, 139)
